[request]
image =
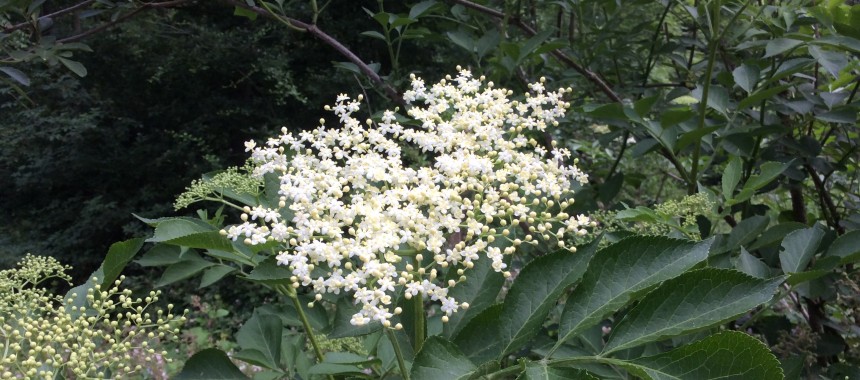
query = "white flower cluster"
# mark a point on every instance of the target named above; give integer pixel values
(364, 223)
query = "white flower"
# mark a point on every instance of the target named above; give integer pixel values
(359, 217)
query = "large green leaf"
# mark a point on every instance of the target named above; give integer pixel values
(746, 76)
(798, 248)
(160, 255)
(846, 247)
(728, 355)
(440, 359)
(746, 231)
(191, 233)
(341, 327)
(262, 332)
(690, 302)
(210, 364)
(618, 272)
(778, 46)
(767, 173)
(480, 338)
(182, 270)
(731, 177)
(532, 296)
(214, 274)
(118, 256)
(480, 291)
(539, 371)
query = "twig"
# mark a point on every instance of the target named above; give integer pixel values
(47, 16)
(331, 41)
(103, 27)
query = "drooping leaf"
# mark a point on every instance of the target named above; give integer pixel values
(75, 66)
(846, 247)
(746, 77)
(182, 270)
(16, 75)
(342, 328)
(778, 46)
(214, 274)
(752, 266)
(160, 255)
(118, 256)
(618, 272)
(727, 355)
(538, 371)
(480, 291)
(690, 302)
(798, 248)
(440, 359)
(532, 296)
(210, 364)
(746, 231)
(262, 332)
(480, 338)
(731, 176)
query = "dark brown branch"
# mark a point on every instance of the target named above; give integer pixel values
(50, 15)
(826, 201)
(108, 25)
(331, 41)
(558, 54)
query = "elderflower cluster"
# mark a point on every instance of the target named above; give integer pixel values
(353, 218)
(45, 336)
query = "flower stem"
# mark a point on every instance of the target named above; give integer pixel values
(418, 316)
(397, 352)
(291, 293)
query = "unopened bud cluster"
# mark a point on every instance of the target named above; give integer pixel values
(43, 335)
(362, 222)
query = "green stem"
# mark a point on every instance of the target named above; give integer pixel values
(714, 42)
(291, 293)
(397, 352)
(418, 315)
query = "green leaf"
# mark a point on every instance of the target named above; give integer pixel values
(342, 328)
(210, 364)
(182, 270)
(244, 12)
(480, 291)
(262, 332)
(618, 272)
(440, 359)
(270, 273)
(775, 234)
(75, 66)
(160, 255)
(778, 46)
(746, 231)
(347, 358)
(846, 247)
(462, 39)
(767, 173)
(118, 256)
(532, 296)
(727, 355)
(746, 77)
(798, 248)
(373, 34)
(16, 75)
(421, 8)
(214, 274)
(761, 94)
(751, 265)
(731, 176)
(334, 369)
(688, 303)
(480, 338)
(538, 371)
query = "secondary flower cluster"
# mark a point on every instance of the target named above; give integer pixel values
(353, 218)
(43, 335)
